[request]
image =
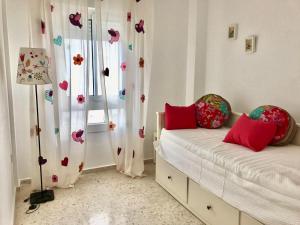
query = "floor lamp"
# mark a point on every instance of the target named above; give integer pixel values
(33, 70)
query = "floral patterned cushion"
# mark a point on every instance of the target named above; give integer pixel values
(286, 125)
(212, 111)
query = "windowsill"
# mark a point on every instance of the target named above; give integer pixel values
(97, 127)
(97, 124)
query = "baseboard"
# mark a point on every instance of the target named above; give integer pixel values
(23, 181)
(108, 167)
(85, 171)
(147, 161)
(98, 169)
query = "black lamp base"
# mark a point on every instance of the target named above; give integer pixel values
(41, 197)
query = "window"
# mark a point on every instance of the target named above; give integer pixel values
(97, 118)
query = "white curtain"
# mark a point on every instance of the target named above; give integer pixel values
(64, 27)
(121, 34)
(7, 182)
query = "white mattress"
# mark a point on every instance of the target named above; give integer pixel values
(266, 185)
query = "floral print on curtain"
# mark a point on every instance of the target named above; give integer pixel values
(121, 28)
(63, 108)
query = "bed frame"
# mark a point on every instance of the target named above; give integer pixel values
(160, 124)
(209, 208)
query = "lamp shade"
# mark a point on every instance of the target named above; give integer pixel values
(33, 67)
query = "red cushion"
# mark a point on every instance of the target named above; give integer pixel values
(254, 134)
(180, 117)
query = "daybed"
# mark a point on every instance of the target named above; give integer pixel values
(226, 184)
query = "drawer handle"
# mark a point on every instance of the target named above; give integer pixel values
(208, 207)
(169, 177)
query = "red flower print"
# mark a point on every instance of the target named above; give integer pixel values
(80, 99)
(111, 125)
(128, 16)
(143, 98)
(278, 116)
(208, 116)
(43, 27)
(77, 136)
(81, 167)
(141, 62)
(54, 179)
(77, 59)
(22, 57)
(123, 66)
(65, 161)
(141, 132)
(75, 19)
(139, 27)
(114, 36)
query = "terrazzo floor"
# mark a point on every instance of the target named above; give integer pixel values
(108, 198)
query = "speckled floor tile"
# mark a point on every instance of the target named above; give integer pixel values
(108, 198)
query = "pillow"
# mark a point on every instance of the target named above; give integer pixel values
(180, 117)
(254, 134)
(286, 125)
(212, 111)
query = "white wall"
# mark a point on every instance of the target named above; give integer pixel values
(191, 50)
(196, 50)
(168, 75)
(269, 76)
(200, 61)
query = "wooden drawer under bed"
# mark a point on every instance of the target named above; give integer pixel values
(247, 220)
(210, 208)
(205, 205)
(174, 181)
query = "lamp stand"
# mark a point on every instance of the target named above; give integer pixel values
(43, 195)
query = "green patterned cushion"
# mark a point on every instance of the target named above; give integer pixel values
(286, 125)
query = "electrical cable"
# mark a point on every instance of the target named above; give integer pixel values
(32, 208)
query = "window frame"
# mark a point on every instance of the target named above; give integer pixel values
(95, 101)
(98, 101)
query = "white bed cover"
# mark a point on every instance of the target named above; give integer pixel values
(266, 185)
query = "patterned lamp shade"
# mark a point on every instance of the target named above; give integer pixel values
(33, 67)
